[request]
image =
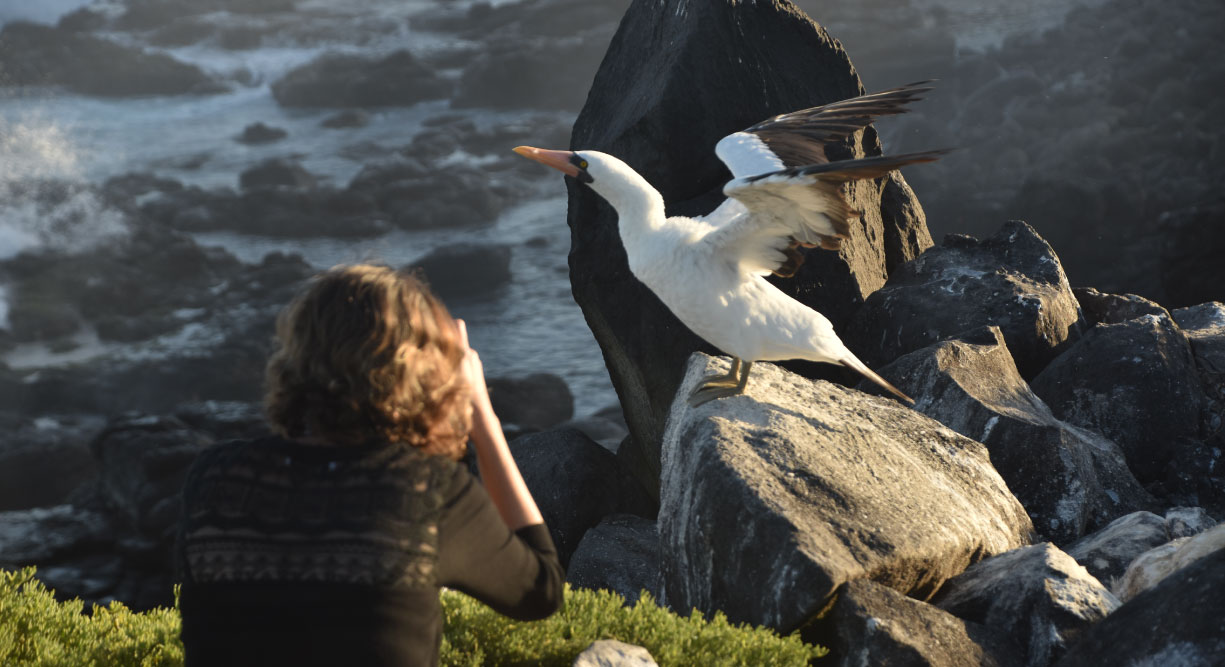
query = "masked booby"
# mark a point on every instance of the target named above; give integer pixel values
(710, 271)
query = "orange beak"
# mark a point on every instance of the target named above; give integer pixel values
(559, 160)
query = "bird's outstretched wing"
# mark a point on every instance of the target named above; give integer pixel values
(796, 206)
(784, 191)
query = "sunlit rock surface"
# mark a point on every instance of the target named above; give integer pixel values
(773, 499)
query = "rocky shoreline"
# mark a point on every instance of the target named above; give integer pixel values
(1052, 499)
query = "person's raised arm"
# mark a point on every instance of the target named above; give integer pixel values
(499, 473)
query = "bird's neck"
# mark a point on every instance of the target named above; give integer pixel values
(640, 210)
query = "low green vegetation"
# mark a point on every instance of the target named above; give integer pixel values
(35, 629)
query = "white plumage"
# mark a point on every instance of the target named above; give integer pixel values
(711, 270)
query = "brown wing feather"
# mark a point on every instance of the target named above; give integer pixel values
(799, 137)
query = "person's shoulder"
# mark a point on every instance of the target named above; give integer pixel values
(437, 475)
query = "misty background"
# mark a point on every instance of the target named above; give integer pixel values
(171, 169)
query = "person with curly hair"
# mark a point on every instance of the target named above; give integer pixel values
(327, 543)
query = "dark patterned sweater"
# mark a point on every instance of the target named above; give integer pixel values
(293, 554)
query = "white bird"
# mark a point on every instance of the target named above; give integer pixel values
(710, 271)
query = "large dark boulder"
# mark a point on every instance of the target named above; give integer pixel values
(531, 402)
(144, 460)
(414, 195)
(465, 271)
(621, 554)
(573, 481)
(1191, 268)
(275, 173)
(871, 624)
(338, 80)
(1012, 280)
(1070, 480)
(679, 76)
(36, 55)
(1037, 595)
(1179, 622)
(773, 499)
(1107, 553)
(1100, 308)
(1134, 382)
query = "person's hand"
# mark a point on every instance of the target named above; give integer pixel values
(474, 372)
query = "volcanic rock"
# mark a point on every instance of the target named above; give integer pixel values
(773, 499)
(414, 196)
(36, 55)
(611, 652)
(337, 80)
(259, 133)
(568, 475)
(1180, 622)
(1012, 280)
(1191, 267)
(464, 271)
(620, 554)
(677, 77)
(1134, 382)
(1107, 552)
(42, 535)
(876, 625)
(1150, 567)
(144, 461)
(276, 173)
(1036, 594)
(1070, 480)
(346, 119)
(1100, 308)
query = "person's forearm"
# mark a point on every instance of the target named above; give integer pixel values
(499, 473)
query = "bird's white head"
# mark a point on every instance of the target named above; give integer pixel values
(611, 178)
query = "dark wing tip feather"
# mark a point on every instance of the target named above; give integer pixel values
(853, 170)
(835, 121)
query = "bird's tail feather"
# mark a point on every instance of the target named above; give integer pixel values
(857, 365)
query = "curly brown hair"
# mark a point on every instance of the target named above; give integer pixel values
(368, 353)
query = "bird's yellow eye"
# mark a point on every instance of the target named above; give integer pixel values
(583, 164)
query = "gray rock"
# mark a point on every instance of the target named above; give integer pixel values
(1102, 308)
(144, 460)
(1150, 567)
(1180, 622)
(43, 475)
(1191, 270)
(349, 118)
(1187, 521)
(259, 133)
(875, 625)
(37, 55)
(341, 80)
(1012, 280)
(1204, 326)
(1107, 552)
(276, 173)
(613, 653)
(572, 479)
(773, 499)
(533, 402)
(1038, 595)
(465, 270)
(44, 534)
(413, 195)
(621, 554)
(1134, 382)
(677, 77)
(1069, 479)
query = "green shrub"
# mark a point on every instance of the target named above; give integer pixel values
(37, 630)
(476, 635)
